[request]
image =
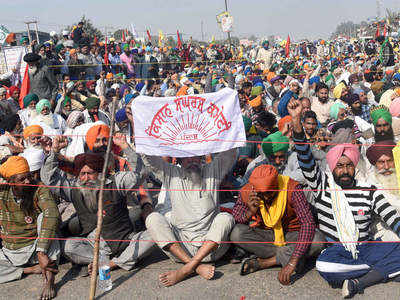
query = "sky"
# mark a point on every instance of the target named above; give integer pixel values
(300, 18)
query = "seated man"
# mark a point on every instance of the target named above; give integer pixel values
(195, 214)
(116, 222)
(273, 217)
(382, 120)
(384, 177)
(29, 212)
(33, 136)
(344, 207)
(92, 113)
(274, 152)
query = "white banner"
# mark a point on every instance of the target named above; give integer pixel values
(12, 58)
(227, 24)
(191, 125)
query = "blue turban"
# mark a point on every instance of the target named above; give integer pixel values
(396, 76)
(358, 91)
(259, 84)
(120, 115)
(139, 86)
(314, 79)
(282, 106)
(122, 90)
(128, 98)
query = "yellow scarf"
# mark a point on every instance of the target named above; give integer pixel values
(396, 156)
(273, 216)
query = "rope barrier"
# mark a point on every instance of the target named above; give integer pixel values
(194, 242)
(192, 190)
(220, 140)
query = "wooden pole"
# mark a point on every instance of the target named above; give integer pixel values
(93, 278)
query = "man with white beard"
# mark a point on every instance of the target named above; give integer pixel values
(52, 123)
(195, 214)
(29, 111)
(83, 191)
(42, 81)
(384, 177)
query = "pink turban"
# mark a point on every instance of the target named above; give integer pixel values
(349, 150)
(395, 107)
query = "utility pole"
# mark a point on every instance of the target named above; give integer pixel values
(229, 34)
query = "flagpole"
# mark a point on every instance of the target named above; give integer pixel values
(229, 34)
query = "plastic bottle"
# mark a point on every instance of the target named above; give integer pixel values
(105, 282)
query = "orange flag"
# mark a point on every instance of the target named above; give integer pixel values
(24, 88)
(287, 47)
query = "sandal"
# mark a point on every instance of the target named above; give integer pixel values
(249, 265)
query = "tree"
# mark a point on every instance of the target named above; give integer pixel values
(118, 34)
(170, 42)
(88, 28)
(253, 38)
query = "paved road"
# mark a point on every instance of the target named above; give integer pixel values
(142, 283)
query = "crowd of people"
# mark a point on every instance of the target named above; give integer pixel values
(316, 179)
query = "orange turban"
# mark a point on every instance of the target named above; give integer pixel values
(283, 121)
(33, 129)
(264, 178)
(13, 166)
(72, 51)
(94, 132)
(256, 102)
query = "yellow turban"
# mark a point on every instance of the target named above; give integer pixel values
(13, 166)
(337, 91)
(256, 101)
(33, 129)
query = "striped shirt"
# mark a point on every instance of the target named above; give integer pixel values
(363, 199)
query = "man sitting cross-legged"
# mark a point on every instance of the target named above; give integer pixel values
(28, 218)
(195, 218)
(264, 214)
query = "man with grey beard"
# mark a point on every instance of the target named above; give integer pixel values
(384, 176)
(41, 79)
(195, 217)
(83, 192)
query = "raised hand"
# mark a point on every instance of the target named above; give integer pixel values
(294, 108)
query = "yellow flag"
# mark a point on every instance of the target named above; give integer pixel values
(160, 38)
(396, 156)
(212, 39)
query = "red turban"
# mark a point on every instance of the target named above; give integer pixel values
(378, 149)
(92, 160)
(12, 89)
(264, 178)
(94, 132)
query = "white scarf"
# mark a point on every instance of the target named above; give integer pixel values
(344, 219)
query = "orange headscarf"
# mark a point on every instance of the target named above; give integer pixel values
(283, 121)
(33, 129)
(182, 91)
(13, 166)
(256, 101)
(94, 132)
(264, 178)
